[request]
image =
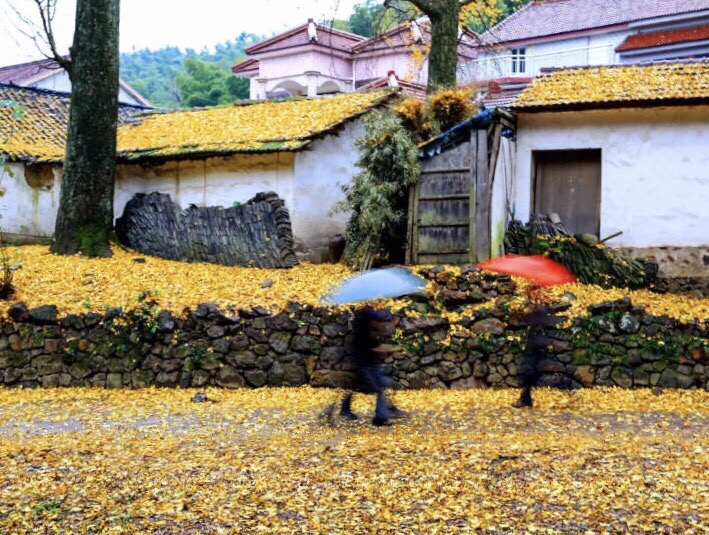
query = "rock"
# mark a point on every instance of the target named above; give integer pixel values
(112, 313)
(114, 380)
(672, 379)
(332, 379)
(276, 374)
(568, 296)
(139, 260)
(215, 331)
(280, 341)
(44, 315)
(166, 321)
(622, 377)
(479, 369)
(586, 375)
(199, 397)
(294, 373)
(200, 378)
(242, 359)
(453, 297)
(80, 370)
(221, 346)
(256, 378)
(306, 344)
(332, 355)
(550, 366)
(48, 365)
(266, 284)
(12, 375)
(448, 371)
(468, 384)
(629, 324)
(490, 325)
(607, 325)
(604, 307)
(141, 378)
(228, 377)
(18, 312)
(427, 324)
(333, 330)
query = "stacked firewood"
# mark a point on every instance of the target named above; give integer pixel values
(588, 258)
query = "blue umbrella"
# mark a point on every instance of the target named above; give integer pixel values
(376, 284)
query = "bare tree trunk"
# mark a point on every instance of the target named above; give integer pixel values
(85, 217)
(443, 58)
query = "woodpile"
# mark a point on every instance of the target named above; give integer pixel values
(588, 258)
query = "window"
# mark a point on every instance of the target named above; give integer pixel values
(519, 61)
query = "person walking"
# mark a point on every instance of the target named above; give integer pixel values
(370, 377)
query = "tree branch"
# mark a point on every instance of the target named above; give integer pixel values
(47, 10)
(427, 6)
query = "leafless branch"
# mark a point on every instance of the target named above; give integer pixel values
(41, 32)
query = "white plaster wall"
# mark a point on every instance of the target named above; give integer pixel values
(319, 174)
(378, 64)
(60, 82)
(598, 49)
(211, 182)
(24, 210)
(654, 169)
(502, 194)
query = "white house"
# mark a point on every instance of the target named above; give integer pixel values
(48, 74)
(571, 33)
(621, 149)
(301, 149)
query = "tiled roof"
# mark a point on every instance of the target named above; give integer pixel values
(40, 132)
(28, 74)
(246, 66)
(669, 37)
(402, 36)
(413, 89)
(542, 18)
(259, 127)
(618, 86)
(328, 37)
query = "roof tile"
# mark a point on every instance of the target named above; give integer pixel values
(617, 86)
(542, 18)
(669, 37)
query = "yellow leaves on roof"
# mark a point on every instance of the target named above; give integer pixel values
(683, 81)
(251, 128)
(32, 134)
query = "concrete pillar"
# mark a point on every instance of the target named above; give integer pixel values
(312, 81)
(261, 89)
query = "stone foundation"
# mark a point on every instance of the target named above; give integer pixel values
(674, 262)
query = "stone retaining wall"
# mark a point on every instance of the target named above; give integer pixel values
(617, 344)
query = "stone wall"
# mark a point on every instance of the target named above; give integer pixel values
(257, 233)
(617, 344)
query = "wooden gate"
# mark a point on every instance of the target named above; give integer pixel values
(449, 209)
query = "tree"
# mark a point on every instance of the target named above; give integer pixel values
(206, 84)
(85, 215)
(444, 16)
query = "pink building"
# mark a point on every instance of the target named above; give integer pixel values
(315, 60)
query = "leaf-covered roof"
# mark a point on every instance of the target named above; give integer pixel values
(618, 86)
(33, 122)
(40, 133)
(262, 127)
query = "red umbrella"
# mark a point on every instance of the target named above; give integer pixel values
(540, 270)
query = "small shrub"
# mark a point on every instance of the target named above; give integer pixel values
(412, 113)
(449, 107)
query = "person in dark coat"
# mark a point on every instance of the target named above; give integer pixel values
(370, 378)
(536, 350)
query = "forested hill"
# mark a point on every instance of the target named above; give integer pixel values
(170, 77)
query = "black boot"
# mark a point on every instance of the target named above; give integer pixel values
(346, 408)
(525, 399)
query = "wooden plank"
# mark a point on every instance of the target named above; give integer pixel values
(494, 154)
(415, 230)
(482, 194)
(472, 257)
(436, 225)
(439, 172)
(456, 158)
(410, 225)
(460, 197)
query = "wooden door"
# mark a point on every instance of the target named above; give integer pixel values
(569, 183)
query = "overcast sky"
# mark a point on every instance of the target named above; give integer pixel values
(157, 23)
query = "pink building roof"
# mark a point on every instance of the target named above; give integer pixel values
(542, 18)
(327, 37)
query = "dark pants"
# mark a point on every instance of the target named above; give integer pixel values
(529, 374)
(371, 381)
